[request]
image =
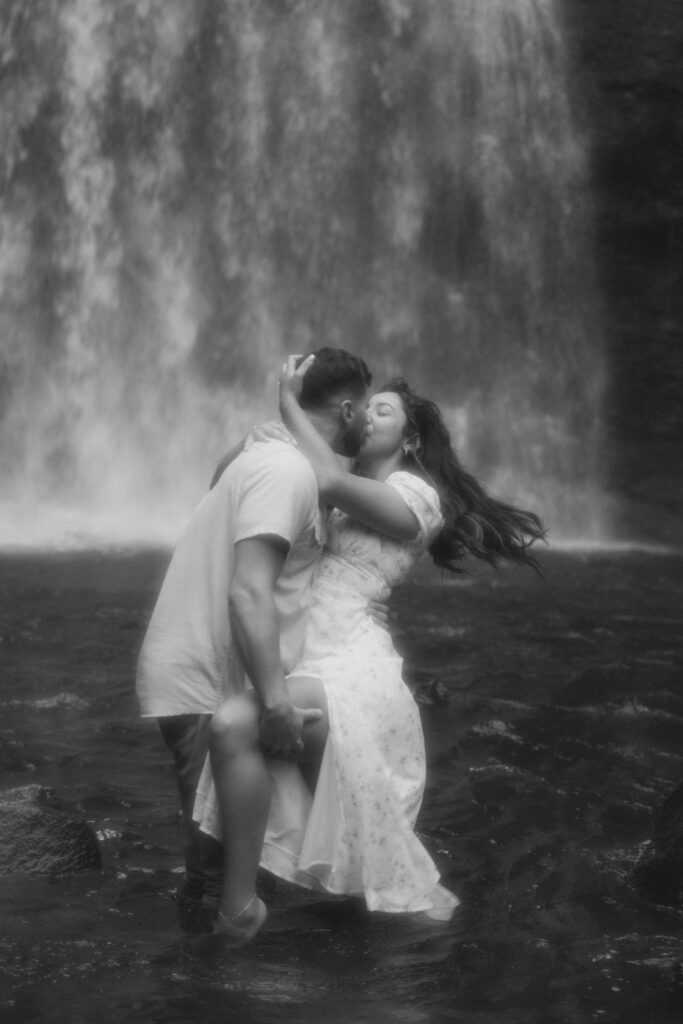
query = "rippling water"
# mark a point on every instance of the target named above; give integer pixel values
(553, 718)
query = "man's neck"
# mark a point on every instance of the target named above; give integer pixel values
(328, 428)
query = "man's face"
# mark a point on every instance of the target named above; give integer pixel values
(356, 426)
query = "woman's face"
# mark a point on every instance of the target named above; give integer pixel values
(386, 427)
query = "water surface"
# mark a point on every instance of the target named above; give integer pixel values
(553, 718)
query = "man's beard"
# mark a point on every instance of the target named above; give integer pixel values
(351, 442)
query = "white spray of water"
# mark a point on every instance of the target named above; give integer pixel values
(231, 182)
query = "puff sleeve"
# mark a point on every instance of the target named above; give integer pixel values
(422, 500)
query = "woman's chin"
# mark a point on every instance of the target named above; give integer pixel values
(365, 451)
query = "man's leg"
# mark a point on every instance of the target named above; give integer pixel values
(187, 738)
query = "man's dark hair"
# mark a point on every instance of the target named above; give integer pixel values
(332, 372)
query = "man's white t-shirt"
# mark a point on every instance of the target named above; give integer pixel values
(188, 663)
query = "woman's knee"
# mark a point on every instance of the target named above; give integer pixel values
(235, 725)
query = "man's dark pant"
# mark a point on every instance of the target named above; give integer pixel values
(187, 737)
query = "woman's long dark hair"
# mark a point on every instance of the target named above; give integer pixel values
(476, 523)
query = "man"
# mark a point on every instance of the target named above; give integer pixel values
(233, 603)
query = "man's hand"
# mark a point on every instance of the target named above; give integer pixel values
(282, 727)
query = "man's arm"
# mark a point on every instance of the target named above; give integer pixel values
(255, 628)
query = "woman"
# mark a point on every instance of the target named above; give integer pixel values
(343, 821)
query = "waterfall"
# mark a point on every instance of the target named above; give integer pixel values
(189, 191)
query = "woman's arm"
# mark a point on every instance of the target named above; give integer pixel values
(376, 504)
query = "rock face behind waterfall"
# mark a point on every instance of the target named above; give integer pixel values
(40, 835)
(659, 875)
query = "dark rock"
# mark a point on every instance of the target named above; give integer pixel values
(40, 835)
(659, 874)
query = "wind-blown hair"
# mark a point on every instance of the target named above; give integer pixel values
(332, 372)
(476, 523)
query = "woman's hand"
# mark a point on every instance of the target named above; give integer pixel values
(273, 430)
(291, 379)
(380, 614)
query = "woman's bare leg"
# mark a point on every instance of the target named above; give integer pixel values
(243, 794)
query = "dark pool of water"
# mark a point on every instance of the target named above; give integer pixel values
(553, 714)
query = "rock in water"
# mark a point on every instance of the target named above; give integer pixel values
(659, 875)
(40, 835)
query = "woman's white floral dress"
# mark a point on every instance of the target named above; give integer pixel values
(356, 834)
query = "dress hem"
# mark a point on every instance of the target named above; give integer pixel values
(282, 863)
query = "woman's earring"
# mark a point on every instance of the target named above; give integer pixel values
(411, 446)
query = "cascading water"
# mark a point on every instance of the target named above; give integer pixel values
(189, 191)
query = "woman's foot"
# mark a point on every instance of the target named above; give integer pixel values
(243, 927)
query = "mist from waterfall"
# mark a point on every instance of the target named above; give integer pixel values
(190, 191)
